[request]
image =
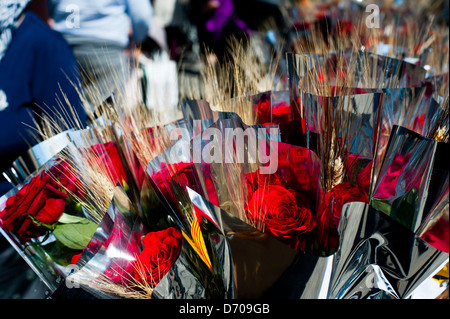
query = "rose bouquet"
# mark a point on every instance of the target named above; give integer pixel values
(162, 199)
(172, 181)
(47, 220)
(153, 217)
(124, 260)
(283, 201)
(51, 217)
(139, 148)
(349, 115)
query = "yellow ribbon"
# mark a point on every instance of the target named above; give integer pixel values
(442, 275)
(198, 243)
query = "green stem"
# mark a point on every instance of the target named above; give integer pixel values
(37, 222)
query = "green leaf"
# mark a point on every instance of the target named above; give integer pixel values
(60, 253)
(126, 188)
(69, 219)
(75, 235)
(404, 208)
(381, 205)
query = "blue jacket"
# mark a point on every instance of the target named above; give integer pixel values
(38, 66)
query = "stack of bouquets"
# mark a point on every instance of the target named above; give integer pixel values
(89, 218)
(335, 188)
(232, 210)
(391, 136)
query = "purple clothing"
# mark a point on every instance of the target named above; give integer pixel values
(221, 17)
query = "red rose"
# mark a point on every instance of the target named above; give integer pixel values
(185, 175)
(65, 175)
(331, 210)
(51, 211)
(38, 199)
(107, 155)
(161, 250)
(340, 195)
(301, 169)
(291, 193)
(264, 111)
(177, 172)
(281, 212)
(272, 114)
(257, 180)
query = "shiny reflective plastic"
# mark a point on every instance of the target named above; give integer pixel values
(413, 185)
(378, 258)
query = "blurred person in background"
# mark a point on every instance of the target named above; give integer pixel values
(37, 68)
(40, 8)
(100, 32)
(217, 22)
